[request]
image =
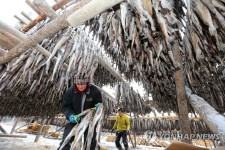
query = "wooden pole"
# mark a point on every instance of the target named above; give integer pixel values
(1, 118)
(32, 118)
(7, 40)
(15, 124)
(106, 93)
(181, 96)
(2, 130)
(26, 16)
(214, 120)
(56, 131)
(21, 20)
(135, 140)
(22, 36)
(10, 135)
(110, 69)
(49, 121)
(45, 8)
(90, 10)
(33, 6)
(40, 130)
(42, 16)
(46, 31)
(21, 126)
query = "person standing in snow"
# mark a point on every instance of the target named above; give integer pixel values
(122, 126)
(79, 97)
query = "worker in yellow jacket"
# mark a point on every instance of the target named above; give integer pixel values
(122, 126)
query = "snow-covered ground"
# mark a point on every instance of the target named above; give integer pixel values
(9, 143)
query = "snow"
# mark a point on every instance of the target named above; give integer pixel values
(9, 143)
(111, 146)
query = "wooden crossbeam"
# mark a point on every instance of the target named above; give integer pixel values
(45, 8)
(46, 31)
(12, 135)
(42, 16)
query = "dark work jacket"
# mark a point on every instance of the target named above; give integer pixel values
(72, 100)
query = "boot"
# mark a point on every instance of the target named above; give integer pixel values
(126, 148)
(119, 148)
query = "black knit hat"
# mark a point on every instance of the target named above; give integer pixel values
(121, 109)
(81, 80)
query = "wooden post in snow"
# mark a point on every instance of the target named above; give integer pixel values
(214, 120)
(40, 130)
(45, 8)
(48, 124)
(2, 130)
(181, 96)
(135, 139)
(15, 124)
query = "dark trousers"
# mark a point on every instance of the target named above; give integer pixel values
(67, 130)
(122, 134)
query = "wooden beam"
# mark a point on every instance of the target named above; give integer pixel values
(45, 8)
(46, 31)
(21, 19)
(40, 130)
(7, 40)
(110, 69)
(22, 36)
(214, 120)
(106, 93)
(48, 124)
(90, 10)
(56, 130)
(153, 118)
(181, 96)
(11, 135)
(33, 7)
(26, 16)
(1, 118)
(42, 16)
(15, 124)
(2, 130)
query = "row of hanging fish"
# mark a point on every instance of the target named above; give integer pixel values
(109, 104)
(34, 84)
(150, 126)
(130, 100)
(92, 119)
(204, 50)
(139, 36)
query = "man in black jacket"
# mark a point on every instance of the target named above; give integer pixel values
(78, 98)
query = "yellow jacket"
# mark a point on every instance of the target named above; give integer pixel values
(122, 123)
